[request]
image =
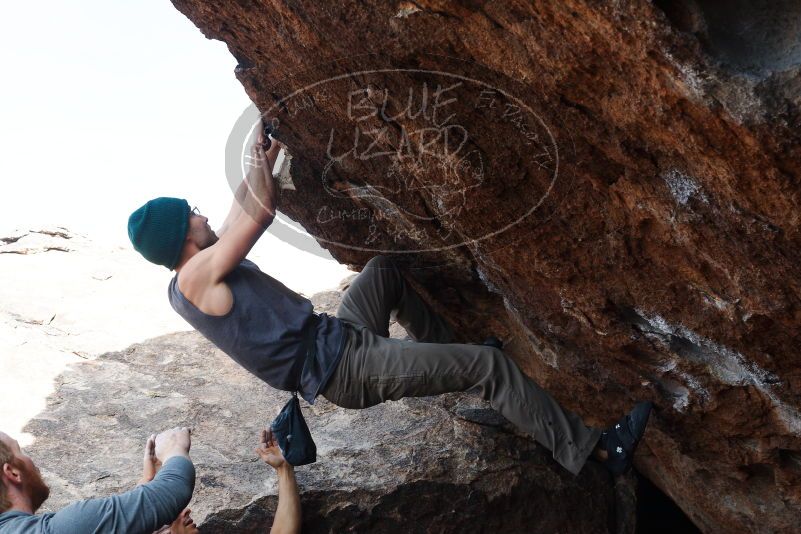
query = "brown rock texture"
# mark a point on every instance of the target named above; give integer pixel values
(613, 187)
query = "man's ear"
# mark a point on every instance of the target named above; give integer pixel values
(11, 473)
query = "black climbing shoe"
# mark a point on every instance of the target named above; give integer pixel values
(493, 341)
(620, 441)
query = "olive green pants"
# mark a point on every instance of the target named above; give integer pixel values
(375, 368)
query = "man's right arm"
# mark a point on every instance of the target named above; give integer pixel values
(209, 267)
(287, 514)
(141, 510)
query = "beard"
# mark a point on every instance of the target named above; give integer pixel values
(36, 488)
(204, 238)
(209, 240)
(212, 238)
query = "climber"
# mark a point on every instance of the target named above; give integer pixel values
(140, 510)
(262, 325)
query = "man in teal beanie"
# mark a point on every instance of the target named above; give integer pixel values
(157, 230)
(349, 359)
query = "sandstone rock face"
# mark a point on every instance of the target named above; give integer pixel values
(612, 186)
(408, 466)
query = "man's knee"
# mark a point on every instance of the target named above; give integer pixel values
(382, 268)
(497, 366)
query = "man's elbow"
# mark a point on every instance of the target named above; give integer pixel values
(261, 215)
(267, 219)
(184, 493)
(179, 486)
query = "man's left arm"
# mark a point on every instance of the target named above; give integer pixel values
(141, 510)
(288, 516)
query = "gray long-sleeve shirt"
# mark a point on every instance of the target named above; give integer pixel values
(139, 511)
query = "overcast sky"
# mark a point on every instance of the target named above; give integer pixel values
(106, 104)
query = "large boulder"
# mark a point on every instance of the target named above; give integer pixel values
(612, 186)
(443, 464)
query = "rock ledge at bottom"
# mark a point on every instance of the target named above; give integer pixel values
(407, 466)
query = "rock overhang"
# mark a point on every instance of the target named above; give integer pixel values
(664, 262)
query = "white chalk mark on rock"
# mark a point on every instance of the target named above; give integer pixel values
(682, 187)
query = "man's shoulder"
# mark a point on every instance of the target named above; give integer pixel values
(190, 292)
(196, 270)
(16, 522)
(192, 280)
(13, 514)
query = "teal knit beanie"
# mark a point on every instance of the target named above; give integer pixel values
(157, 230)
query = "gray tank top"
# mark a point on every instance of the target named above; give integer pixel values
(264, 330)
